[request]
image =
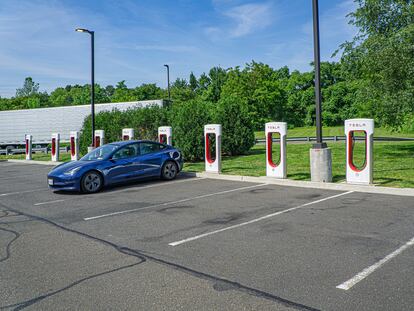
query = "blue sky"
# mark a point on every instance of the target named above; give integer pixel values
(134, 38)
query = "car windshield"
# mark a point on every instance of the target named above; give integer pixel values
(100, 153)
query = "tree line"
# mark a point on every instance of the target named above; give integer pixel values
(373, 78)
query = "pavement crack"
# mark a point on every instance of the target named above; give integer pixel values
(8, 245)
(141, 255)
(24, 304)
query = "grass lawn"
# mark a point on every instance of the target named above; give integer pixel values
(37, 156)
(333, 131)
(393, 163)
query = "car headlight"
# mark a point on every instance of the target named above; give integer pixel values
(72, 171)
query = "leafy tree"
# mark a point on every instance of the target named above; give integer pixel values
(147, 92)
(61, 97)
(193, 82)
(382, 55)
(33, 102)
(122, 93)
(181, 91)
(29, 88)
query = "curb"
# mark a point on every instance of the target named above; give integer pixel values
(310, 184)
(34, 162)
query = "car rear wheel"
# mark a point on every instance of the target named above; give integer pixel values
(91, 182)
(169, 170)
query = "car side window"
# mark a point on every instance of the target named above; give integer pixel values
(127, 152)
(146, 148)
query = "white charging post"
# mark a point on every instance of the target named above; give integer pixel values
(55, 146)
(74, 146)
(359, 174)
(99, 138)
(127, 134)
(165, 135)
(212, 163)
(28, 142)
(278, 168)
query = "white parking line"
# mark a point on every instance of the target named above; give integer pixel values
(127, 189)
(364, 273)
(173, 202)
(49, 202)
(26, 191)
(166, 183)
(255, 220)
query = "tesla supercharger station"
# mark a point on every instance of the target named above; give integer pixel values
(213, 163)
(276, 167)
(359, 174)
(99, 138)
(74, 146)
(165, 135)
(55, 147)
(127, 134)
(28, 142)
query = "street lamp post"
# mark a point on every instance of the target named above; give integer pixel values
(320, 154)
(319, 138)
(92, 33)
(168, 82)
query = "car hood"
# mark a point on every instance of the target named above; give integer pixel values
(64, 167)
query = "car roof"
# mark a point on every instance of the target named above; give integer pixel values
(127, 142)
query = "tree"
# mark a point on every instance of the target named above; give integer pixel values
(122, 93)
(382, 55)
(147, 92)
(29, 88)
(61, 97)
(193, 82)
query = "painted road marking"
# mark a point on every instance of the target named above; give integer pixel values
(26, 191)
(255, 220)
(49, 202)
(173, 202)
(158, 184)
(127, 189)
(366, 272)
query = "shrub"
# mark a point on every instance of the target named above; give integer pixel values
(145, 122)
(238, 130)
(188, 120)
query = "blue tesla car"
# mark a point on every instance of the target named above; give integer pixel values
(116, 163)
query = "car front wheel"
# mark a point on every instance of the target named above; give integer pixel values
(169, 170)
(91, 182)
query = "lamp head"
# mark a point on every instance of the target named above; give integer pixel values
(83, 30)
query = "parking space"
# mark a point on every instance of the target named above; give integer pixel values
(234, 245)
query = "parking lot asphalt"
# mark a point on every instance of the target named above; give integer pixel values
(201, 244)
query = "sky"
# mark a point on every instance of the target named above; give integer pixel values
(135, 38)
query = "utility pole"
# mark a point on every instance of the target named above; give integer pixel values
(168, 82)
(320, 154)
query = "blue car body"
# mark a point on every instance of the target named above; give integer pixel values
(68, 176)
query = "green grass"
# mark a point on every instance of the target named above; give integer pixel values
(37, 156)
(393, 163)
(333, 131)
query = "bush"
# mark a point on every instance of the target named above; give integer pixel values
(188, 120)
(238, 129)
(145, 122)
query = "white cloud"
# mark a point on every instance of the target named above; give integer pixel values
(242, 19)
(249, 18)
